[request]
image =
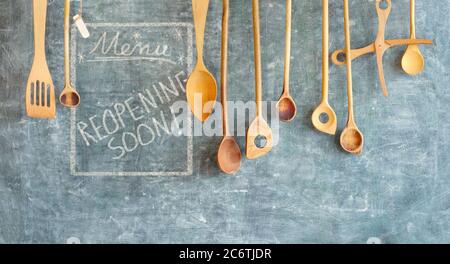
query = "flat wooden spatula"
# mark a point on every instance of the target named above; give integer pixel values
(40, 92)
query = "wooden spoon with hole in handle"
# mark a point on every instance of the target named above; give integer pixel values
(413, 62)
(69, 96)
(352, 140)
(259, 130)
(329, 125)
(229, 155)
(287, 108)
(201, 87)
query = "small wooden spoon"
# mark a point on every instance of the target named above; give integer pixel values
(259, 130)
(201, 87)
(286, 105)
(229, 155)
(69, 96)
(352, 140)
(328, 126)
(413, 62)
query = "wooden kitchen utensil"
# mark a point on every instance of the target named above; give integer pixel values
(69, 96)
(229, 155)
(324, 118)
(201, 88)
(40, 92)
(286, 105)
(259, 130)
(413, 62)
(380, 46)
(352, 140)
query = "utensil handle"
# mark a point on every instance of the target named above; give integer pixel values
(325, 50)
(348, 63)
(66, 41)
(383, 15)
(39, 21)
(287, 55)
(257, 54)
(224, 66)
(200, 11)
(413, 19)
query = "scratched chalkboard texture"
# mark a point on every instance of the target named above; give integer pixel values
(109, 172)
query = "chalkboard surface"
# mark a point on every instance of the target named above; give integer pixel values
(99, 174)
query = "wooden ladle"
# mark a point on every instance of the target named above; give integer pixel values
(201, 87)
(286, 105)
(413, 62)
(259, 134)
(69, 96)
(329, 125)
(352, 140)
(229, 155)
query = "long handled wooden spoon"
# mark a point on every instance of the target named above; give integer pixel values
(69, 96)
(229, 155)
(259, 130)
(324, 118)
(352, 140)
(413, 62)
(286, 105)
(40, 92)
(201, 88)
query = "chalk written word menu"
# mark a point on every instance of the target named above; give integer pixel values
(129, 76)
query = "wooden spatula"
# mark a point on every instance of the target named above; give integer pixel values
(40, 92)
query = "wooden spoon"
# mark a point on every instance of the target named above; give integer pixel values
(69, 96)
(413, 62)
(201, 88)
(328, 125)
(286, 105)
(259, 130)
(229, 155)
(352, 140)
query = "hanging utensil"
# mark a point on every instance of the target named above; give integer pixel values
(229, 155)
(40, 92)
(69, 96)
(324, 118)
(380, 46)
(201, 87)
(352, 140)
(259, 134)
(413, 62)
(286, 105)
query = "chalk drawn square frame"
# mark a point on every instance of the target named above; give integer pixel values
(73, 114)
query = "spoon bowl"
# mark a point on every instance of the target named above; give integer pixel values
(287, 108)
(328, 125)
(352, 140)
(69, 97)
(229, 156)
(201, 92)
(413, 61)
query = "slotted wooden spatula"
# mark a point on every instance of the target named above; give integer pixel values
(40, 92)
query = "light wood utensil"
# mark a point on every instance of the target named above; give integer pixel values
(259, 130)
(69, 96)
(324, 118)
(40, 92)
(413, 62)
(380, 46)
(352, 140)
(201, 88)
(286, 105)
(229, 155)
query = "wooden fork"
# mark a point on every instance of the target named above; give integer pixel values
(40, 92)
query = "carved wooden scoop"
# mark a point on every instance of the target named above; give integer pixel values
(259, 134)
